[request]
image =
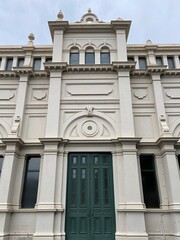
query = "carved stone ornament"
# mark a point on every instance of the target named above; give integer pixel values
(39, 95)
(164, 127)
(140, 93)
(6, 95)
(15, 127)
(89, 128)
(173, 93)
(89, 111)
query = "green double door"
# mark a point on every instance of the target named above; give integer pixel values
(90, 213)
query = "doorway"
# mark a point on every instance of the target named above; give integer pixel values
(90, 212)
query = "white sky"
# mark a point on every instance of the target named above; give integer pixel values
(158, 20)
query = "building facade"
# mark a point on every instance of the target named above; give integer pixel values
(89, 136)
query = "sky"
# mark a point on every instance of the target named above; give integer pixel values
(157, 20)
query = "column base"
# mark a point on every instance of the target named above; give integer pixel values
(131, 237)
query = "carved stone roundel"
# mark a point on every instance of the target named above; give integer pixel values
(89, 128)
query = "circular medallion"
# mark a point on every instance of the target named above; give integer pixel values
(89, 128)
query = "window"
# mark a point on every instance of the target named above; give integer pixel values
(105, 56)
(142, 63)
(20, 62)
(49, 59)
(1, 162)
(37, 64)
(170, 62)
(149, 181)
(179, 160)
(74, 56)
(0, 61)
(9, 64)
(89, 56)
(30, 189)
(130, 59)
(159, 61)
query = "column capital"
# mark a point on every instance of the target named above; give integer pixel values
(13, 144)
(168, 141)
(13, 141)
(167, 145)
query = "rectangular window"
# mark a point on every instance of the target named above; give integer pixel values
(20, 62)
(49, 59)
(130, 59)
(159, 61)
(31, 180)
(0, 61)
(37, 64)
(9, 64)
(170, 62)
(149, 181)
(1, 162)
(74, 58)
(179, 160)
(89, 58)
(142, 63)
(105, 58)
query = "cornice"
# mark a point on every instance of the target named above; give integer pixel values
(127, 140)
(171, 72)
(57, 25)
(8, 74)
(156, 69)
(121, 24)
(10, 141)
(123, 65)
(53, 66)
(90, 68)
(90, 28)
(140, 73)
(23, 70)
(50, 140)
(151, 47)
(167, 141)
(162, 70)
(28, 48)
(39, 74)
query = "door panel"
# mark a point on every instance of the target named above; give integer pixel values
(90, 197)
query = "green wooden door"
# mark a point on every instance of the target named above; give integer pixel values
(90, 213)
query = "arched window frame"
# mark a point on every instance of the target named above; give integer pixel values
(89, 55)
(105, 55)
(74, 56)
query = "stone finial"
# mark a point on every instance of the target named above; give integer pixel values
(120, 19)
(164, 127)
(89, 10)
(148, 42)
(60, 16)
(31, 39)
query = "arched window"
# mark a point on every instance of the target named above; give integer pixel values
(74, 56)
(89, 56)
(105, 55)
